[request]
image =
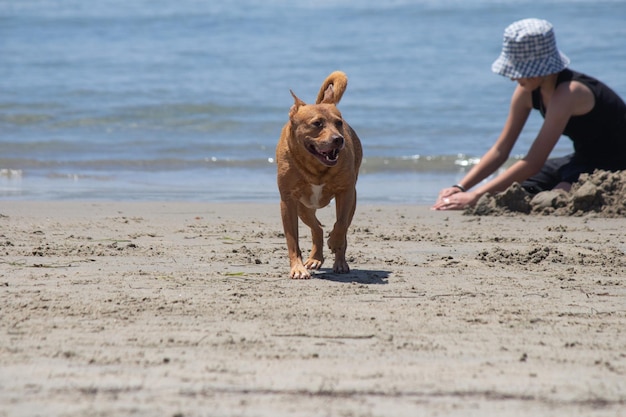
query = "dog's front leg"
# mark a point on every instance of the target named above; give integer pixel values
(316, 257)
(289, 214)
(338, 241)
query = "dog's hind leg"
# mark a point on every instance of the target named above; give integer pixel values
(338, 241)
(316, 257)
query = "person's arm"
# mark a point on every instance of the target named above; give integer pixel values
(567, 100)
(564, 103)
(497, 155)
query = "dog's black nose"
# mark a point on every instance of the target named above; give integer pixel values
(338, 140)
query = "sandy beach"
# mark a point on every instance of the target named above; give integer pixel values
(186, 309)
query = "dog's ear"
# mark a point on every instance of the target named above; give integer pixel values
(329, 95)
(297, 103)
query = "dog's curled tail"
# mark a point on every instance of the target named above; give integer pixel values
(332, 88)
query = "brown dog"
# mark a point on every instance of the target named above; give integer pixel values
(318, 156)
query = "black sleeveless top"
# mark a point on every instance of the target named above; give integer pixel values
(599, 136)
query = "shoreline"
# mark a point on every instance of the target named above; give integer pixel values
(176, 308)
(215, 186)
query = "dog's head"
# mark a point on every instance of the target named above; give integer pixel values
(319, 128)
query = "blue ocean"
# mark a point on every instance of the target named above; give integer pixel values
(184, 100)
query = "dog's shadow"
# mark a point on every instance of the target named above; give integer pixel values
(354, 276)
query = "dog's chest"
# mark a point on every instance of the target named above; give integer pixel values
(314, 200)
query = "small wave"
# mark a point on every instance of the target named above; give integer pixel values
(370, 165)
(186, 116)
(418, 163)
(11, 173)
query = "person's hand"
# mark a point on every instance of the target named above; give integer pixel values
(444, 197)
(447, 192)
(454, 199)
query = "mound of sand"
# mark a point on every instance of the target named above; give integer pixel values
(602, 193)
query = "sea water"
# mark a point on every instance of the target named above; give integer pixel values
(185, 100)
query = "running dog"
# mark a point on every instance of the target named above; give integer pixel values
(318, 158)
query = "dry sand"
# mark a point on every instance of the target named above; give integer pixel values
(185, 309)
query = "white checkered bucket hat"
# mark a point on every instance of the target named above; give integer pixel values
(529, 50)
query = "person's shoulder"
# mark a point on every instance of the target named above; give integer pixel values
(569, 79)
(569, 74)
(572, 75)
(571, 87)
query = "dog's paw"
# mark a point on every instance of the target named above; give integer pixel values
(341, 267)
(313, 263)
(299, 272)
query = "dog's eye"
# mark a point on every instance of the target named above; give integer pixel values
(339, 124)
(318, 124)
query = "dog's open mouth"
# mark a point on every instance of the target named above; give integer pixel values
(328, 158)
